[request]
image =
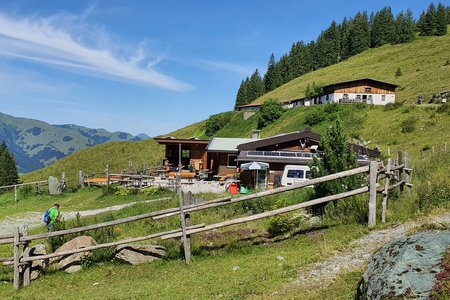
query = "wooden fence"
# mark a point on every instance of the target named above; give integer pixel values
(37, 185)
(18, 239)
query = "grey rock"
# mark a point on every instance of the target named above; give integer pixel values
(139, 254)
(54, 186)
(73, 263)
(405, 268)
(37, 266)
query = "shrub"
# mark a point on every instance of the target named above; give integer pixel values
(122, 191)
(99, 256)
(26, 191)
(270, 111)
(393, 106)
(217, 122)
(351, 210)
(398, 73)
(444, 108)
(279, 225)
(408, 125)
(150, 191)
(314, 116)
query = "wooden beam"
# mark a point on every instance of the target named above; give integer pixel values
(373, 193)
(272, 192)
(106, 245)
(22, 184)
(408, 174)
(386, 192)
(269, 213)
(16, 278)
(26, 253)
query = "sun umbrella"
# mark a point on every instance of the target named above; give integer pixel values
(255, 165)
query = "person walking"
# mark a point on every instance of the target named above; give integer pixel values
(52, 216)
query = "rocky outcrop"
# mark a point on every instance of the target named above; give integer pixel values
(72, 263)
(405, 268)
(37, 266)
(139, 254)
(54, 186)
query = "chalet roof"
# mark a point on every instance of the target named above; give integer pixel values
(172, 140)
(360, 79)
(226, 144)
(277, 139)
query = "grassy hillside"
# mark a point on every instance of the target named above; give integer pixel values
(93, 159)
(423, 63)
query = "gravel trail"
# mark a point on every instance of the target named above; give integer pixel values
(34, 219)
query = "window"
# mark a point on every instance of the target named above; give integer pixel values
(368, 90)
(308, 174)
(358, 97)
(383, 97)
(232, 161)
(345, 96)
(295, 174)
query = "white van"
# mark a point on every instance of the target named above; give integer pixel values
(295, 173)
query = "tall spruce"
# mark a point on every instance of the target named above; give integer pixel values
(272, 77)
(359, 34)
(284, 69)
(255, 87)
(241, 94)
(441, 20)
(383, 28)
(336, 157)
(448, 14)
(405, 27)
(428, 24)
(8, 167)
(328, 46)
(343, 37)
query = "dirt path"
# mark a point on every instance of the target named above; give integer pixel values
(34, 219)
(323, 273)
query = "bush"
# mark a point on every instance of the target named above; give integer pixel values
(314, 116)
(217, 122)
(408, 125)
(279, 225)
(122, 191)
(351, 210)
(26, 191)
(398, 73)
(150, 191)
(270, 111)
(393, 106)
(444, 108)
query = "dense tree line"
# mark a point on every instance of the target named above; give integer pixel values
(8, 168)
(341, 41)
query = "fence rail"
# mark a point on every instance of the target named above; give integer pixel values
(15, 186)
(184, 211)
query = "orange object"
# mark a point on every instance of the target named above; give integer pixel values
(233, 188)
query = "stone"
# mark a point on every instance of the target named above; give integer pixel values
(54, 186)
(405, 268)
(139, 254)
(73, 263)
(37, 266)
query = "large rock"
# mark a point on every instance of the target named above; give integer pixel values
(405, 268)
(37, 266)
(72, 263)
(54, 186)
(139, 254)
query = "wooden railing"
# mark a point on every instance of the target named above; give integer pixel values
(15, 186)
(23, 239)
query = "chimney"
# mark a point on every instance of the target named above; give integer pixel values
(256, 134)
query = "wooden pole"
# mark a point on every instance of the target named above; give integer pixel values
(386, 191)
(187, 245)
(16, 279)
(15, 193)
(26, 253)
(400, 170)
(270, 213)
(373, 193)
(187, 255)
(408, 174)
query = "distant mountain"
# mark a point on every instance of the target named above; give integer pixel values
(36, 144)
(142, 136)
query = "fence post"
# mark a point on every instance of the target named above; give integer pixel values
(386, 191)
(16, 279)
(187, 254)
(401, 170)
(26, 252)
(187, 244)
(408, 174)
(15, 193)
(107, 177)
(373, 169)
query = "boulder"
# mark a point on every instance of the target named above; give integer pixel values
(72, 263)
(405, 268)
(139, 254)
(37, 266)
(54, 186)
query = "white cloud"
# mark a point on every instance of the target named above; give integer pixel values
(225, 66)
(66, 41)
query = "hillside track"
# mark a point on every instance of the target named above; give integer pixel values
(322, 274)
(35, 219)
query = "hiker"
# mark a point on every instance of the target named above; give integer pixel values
(52, 216)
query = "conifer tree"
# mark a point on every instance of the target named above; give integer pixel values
(441, 20)
(383, 28)
(241, 94)
(284, 69)
(343, 37)
(336, 157)
(428, 26)
(328, 46)
(8, 167)
(272, 77)
(255, 87)
(359, 35)
(405, 27)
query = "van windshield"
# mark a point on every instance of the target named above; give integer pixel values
(295, 174)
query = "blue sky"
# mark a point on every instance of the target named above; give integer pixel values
(148, 66)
